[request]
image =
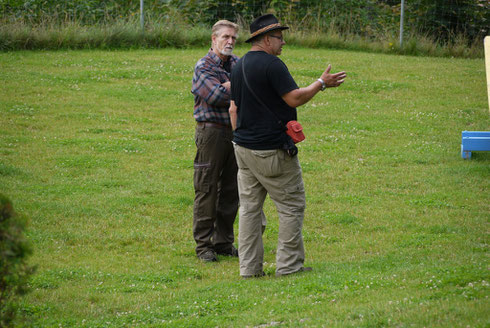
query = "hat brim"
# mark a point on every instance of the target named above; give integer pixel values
(267, 31)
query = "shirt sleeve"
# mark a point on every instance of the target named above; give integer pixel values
(206, 84)
(280, 78)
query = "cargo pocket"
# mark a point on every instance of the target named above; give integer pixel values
(201, 177)
(295, 196)
(268, 162)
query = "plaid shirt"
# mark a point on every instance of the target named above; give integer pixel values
(211, 99)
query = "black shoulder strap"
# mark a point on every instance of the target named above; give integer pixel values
(256, 97)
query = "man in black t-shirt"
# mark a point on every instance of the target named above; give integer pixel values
(262, 128)
(264, 97)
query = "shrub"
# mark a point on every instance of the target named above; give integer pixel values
(14, 271)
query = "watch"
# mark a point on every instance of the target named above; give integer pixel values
(324, 86)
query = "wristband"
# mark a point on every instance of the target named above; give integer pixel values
(324, 86)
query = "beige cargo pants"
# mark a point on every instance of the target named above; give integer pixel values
(273, 172)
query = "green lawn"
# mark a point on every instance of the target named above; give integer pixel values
(96, 148)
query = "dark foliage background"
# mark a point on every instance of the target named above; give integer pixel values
(439, 19)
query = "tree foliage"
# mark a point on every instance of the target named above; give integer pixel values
(441, 19)
(447, 18)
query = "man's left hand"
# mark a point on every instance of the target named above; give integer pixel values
(333, 80)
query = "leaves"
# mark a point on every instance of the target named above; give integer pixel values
(442, 19)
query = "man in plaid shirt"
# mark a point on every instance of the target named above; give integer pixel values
(215, 169)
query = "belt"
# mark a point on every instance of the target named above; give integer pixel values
(214, 125)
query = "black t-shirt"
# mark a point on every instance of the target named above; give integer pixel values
(257, 128)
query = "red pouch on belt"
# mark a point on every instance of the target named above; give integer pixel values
(295, 131)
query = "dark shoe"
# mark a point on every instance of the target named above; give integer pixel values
(230, 252)
(208, 256)
(303, 269)
(258, 275)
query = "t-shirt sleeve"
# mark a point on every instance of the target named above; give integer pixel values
(280, 78)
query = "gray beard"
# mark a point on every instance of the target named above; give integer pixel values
(226, 52)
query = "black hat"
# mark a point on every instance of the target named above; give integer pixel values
(264, 24)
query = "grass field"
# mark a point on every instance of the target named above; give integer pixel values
(96, 148)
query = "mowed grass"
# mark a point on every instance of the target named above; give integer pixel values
(96, 147)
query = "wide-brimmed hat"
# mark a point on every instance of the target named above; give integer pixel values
(264, 24)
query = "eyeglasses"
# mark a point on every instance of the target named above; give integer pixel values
(277, 37)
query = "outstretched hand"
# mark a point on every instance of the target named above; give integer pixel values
(333, 80)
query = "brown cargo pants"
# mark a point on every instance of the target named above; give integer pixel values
(215, 185)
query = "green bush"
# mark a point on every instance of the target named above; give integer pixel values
(436, 28)
(442, 19)
(14, 271)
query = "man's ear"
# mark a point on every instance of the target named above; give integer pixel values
(268, 41)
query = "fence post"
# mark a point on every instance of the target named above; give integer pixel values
(142, 16)
(402, 14)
